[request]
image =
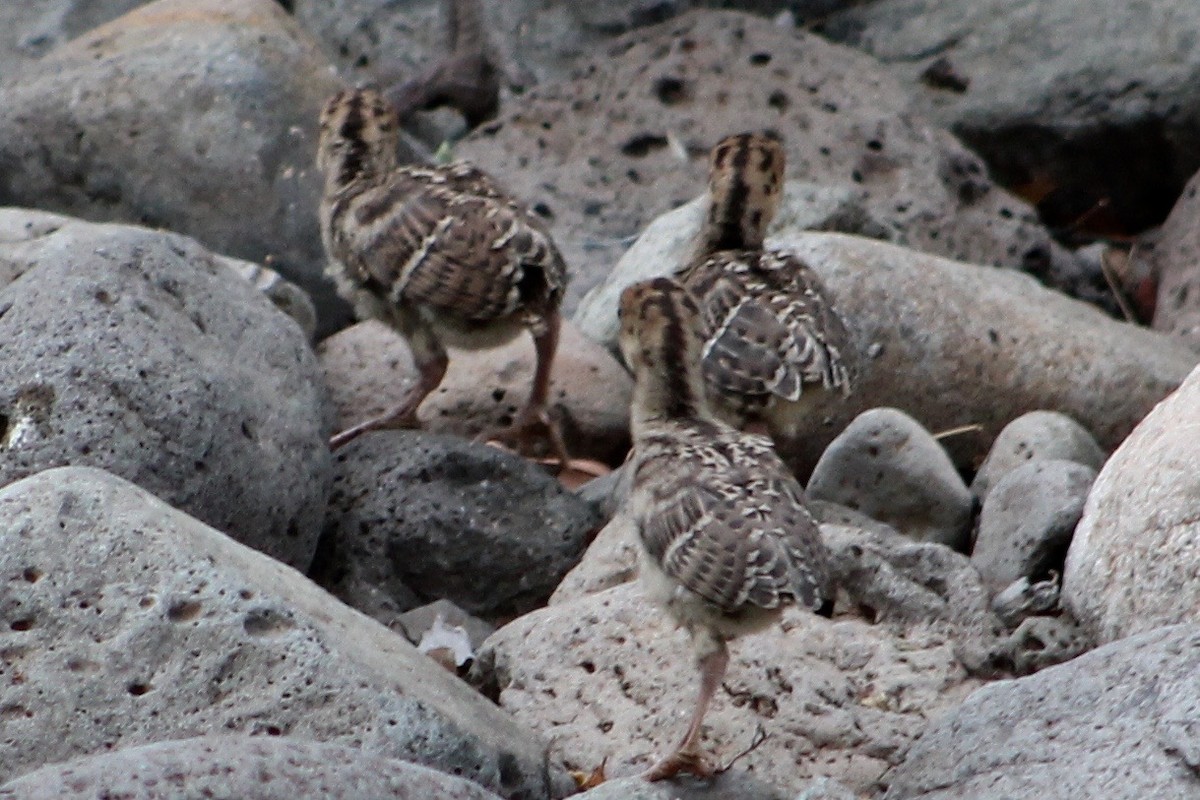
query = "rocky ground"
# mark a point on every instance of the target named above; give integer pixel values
(198, 599)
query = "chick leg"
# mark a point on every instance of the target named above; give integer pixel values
(431, 361)
(533, 421)
(685, 757)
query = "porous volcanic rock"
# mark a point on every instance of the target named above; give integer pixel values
(124, 621)
(140, 352)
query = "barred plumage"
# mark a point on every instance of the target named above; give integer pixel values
(727, 541)
(440, 253)
(773, 331)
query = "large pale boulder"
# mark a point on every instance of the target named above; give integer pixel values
(1118, 722)
(194, 115)
(142, 353)
(628, 137)
(955, 344)
(129, 622)
(230, 766)
(1133, 562)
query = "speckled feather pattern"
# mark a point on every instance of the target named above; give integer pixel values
(773, 332)
(717, 511)
(723, 516)
(446, 242)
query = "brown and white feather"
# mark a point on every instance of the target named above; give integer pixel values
(719, 515)
(446, 242)
(773, 329)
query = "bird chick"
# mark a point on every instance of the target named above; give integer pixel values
(774, 333)
(441, 254)
(726, 540)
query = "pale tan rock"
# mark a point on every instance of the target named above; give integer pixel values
(606, 676)
(1133, 562)
(367, 367)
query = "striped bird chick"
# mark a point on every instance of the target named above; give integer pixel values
(726, 539)
(441, 254)
(774, 333)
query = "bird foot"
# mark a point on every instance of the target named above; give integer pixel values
(671, 765)
(378, 423)
(526, 433)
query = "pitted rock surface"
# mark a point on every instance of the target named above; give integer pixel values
(197, 116)
(1092, 105)
(141, 353)
(254, 768)
(124, 621)
(446, 518)
(627, 139)
(1133, 561)
(1171, 254)
(607, 676)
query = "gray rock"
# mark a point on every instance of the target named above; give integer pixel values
(30, 29)
(953, 344)
(611, 559)
(1171, 255)
(193, 115)
(130, 622)
(1098, 102)
(729, 784)
(1036, 436)
(887, 466)
(257, 768)
(627, 139)
(141, 353)
(608, 676)
(448, 518)
(1024, 598)
(1133, 562)
(1118, 722)
(287, 296)
(1027, 521)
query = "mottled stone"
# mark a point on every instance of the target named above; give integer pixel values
(141, 353)
(124, 621)
(887, 466)
(1036, 436)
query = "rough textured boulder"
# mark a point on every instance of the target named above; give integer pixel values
(887, 466)
(1133, 562)
(1027, 521)
(129, 622)
(1172, 255)
(141, 353)
(954, 344)
(194, 115)
(1091, 101)
(1118, 722)
(437, 516)
(608, 676)
(368, 367)
(1032, 437)
(252, 768)
(627, 139)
